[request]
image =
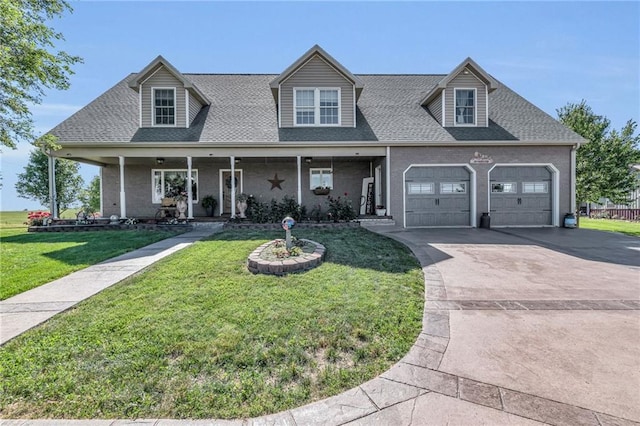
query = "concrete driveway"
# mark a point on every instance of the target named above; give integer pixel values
(552, 315)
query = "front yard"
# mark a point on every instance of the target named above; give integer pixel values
(198, 336)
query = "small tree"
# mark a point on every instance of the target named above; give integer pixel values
(603, 163)
(90, 196)
(33, 184)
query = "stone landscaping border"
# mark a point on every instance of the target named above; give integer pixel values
(304, 262)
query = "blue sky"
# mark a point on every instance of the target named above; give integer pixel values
(550, 53)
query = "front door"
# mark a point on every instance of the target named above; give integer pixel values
(225, 184)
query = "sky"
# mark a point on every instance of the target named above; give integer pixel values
(551, 53)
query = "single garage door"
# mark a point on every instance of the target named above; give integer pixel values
(521, 196)
(437, 196)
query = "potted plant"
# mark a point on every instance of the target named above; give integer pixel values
(210, 204)
(380, 210)
(321, 190)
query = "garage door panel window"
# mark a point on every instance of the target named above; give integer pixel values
(453, 188)
(535, 187)
(504, 188)
(416, 188)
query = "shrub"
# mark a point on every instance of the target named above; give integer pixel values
(37, 218)
(275, 211)
(341, 208)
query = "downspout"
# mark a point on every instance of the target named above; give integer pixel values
(123, 206)
(189, 190)
(233, 186)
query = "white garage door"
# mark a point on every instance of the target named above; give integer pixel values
(437, 196)
(521, 196)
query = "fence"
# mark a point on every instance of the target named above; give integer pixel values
(626, 214)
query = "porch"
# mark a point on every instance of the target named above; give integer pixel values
(134, 186)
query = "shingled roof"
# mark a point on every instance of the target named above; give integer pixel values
(243, 110)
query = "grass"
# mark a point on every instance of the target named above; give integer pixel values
(624, 227)
(198, 336)
(31, 259)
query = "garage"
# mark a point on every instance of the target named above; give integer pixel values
(437, 196)
(521, 196)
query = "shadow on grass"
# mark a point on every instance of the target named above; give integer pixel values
(355, 247)
(89, 247)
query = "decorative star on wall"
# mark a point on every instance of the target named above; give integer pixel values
(275, 182)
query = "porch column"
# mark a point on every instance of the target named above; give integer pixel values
(189, 190)
(299, 180)
(123, 205)
(387, 179)
(573, 208)
(53, 205)
(233, 186)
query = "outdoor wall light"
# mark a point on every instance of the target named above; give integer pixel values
(307, 160)
(160, 160)
(238, 160)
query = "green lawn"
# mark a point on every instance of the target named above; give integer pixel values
(29, 260)
(629, 228)
(199, 336)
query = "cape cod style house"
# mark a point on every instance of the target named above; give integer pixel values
(434, 150)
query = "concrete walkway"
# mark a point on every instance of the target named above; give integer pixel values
(520, 327)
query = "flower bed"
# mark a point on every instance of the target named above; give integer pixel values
(263, 260)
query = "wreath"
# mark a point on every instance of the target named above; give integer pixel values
(235, 182)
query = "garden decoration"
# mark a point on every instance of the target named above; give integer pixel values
(275, 182)
(287, 224)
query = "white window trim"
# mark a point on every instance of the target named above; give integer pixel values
(153, 189)
(322, 170)
(316, 106)
(153, 107)
(475, 107)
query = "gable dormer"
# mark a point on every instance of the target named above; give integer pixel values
(166, 97)
(316, 91)
(461, 98)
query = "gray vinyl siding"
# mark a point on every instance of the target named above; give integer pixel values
(466, 81)
(435, 108)
(194, 108)
(317, 73)
(163, 78)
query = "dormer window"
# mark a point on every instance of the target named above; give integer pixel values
(465, 114)
(316, 106)
(164, 107)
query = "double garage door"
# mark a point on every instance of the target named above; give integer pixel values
(441, 196)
